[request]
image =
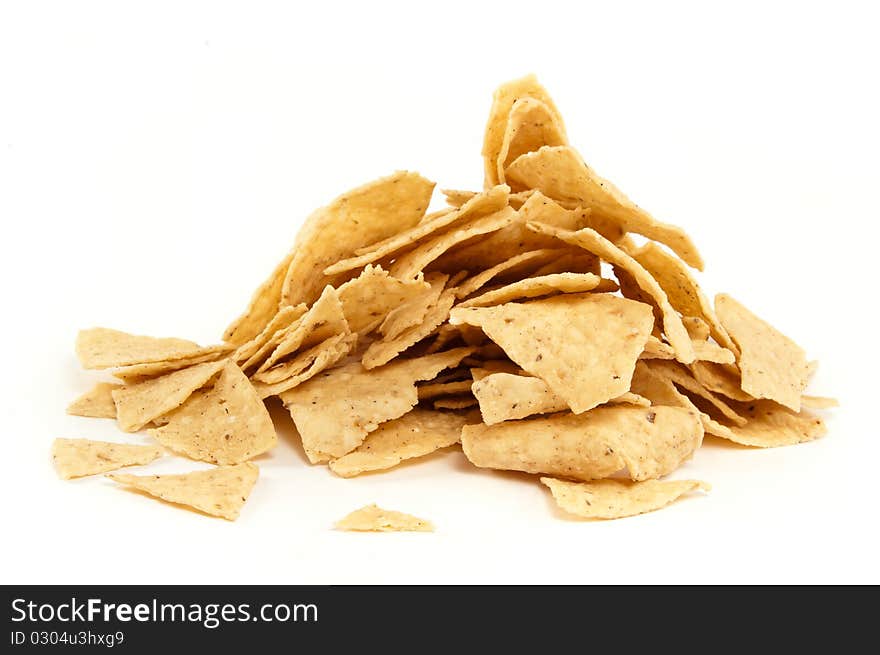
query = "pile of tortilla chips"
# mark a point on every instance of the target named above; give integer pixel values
(547, 324)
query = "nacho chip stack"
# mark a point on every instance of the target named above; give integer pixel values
(523, 321)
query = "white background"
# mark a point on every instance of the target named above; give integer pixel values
(155, 163)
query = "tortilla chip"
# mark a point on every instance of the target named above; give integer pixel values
(646, 442)
(140, 372)
(560, 173)
(362, 216)
(706, 351)
(571, 261)
(325, 319)
(615, 499)
(412, 312)
(224, 424)
(481, 205)
(455, 402)
(597, 244)
(504, 397)
(517, 262)
(435, 389)
(261, 308)
(772, 365)
(681, 377)
(75, 458)
(697, 328)
(721, 379)
(770, 425)
(531, 124)
(818, 402)
(333, 424)
(375, 519)
(502, 102)
(105, 348)
(246, 354)
(656, 349)
(584, 346)
(138, 404)
(221, 491)
(534, 287)
(304, 366)
(413, 262)
(414, 434)
(97, 402)
(681, 289)
(382, 352)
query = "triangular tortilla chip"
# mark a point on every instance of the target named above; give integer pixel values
(332, 423)
(304, 366)
(615, 499)
(97, 402)
(772, 365)
(681, 288)
(697, 328)
(481, 205)
(75, 458)
(530, 125)
(721, 379)
(648, 442)
(681, 377)
(382, 352)
(503, 99)
(560, 173)
(224, 424)
(411, 263)
(285, 317)
(326, 318)
(412, 312)
(371, 297)
(597, 244)
(771, 425)
(105, 348)
(262, 307)
(584, 346)
(414, 434)
(138, 404)
(516, 263)
(535, 287)
(365, 215)
(140, 372)
(220, 491)
(375, 519)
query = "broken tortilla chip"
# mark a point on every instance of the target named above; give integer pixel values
(97, 402)
(76, 458)
(375, 519)
(221, 491)
(534, 287)
(99, 348)
(531, 124)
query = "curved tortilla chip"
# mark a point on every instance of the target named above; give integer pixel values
(262, 307)
(535, 287)
(99, 348)
(531, 124)
(375, 519)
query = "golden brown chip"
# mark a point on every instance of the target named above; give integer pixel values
(503, 99)
(105, 348)
(75, 458)
(247, 354)
(360, 217)
(681, 377)
(382, 352)
(454, 402)
(707, 351)
(220, 491)
(517, 262)
(413, 311)
(560, 173)
(435, 389)
(656, 349)
(140, 372)
(614, 499)
(531, 124)
(697, 328)
(375, 519)
(325, 319)
(414, 434)
(97, 402)
(681, 289)
(772, 365)
(224, 424)
(411, 263)
(138, 404)
(597, 244)
(335, 411)
(770, 425)
(481, 205)
(304, 366)
(262, 307)
(648, 442)
(584, 346)
(535, 287)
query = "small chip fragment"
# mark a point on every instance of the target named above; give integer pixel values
(373, 518)
(614, 499)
